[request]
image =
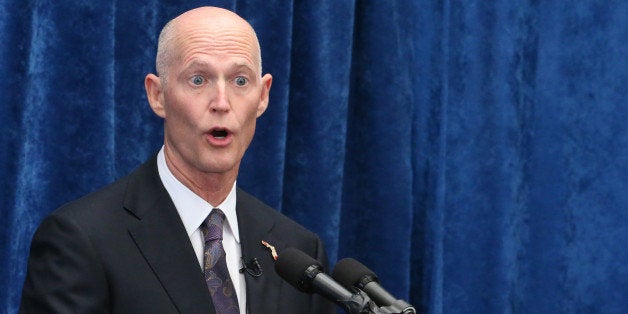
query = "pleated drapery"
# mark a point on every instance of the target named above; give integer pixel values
(474, 154)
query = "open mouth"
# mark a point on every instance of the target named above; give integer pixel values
(219, 133)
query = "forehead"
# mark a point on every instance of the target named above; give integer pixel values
(224, 38)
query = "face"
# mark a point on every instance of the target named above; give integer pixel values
(211, 98)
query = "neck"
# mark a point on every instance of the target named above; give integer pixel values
(212, 187)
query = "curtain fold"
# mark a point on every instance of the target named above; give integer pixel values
(317, 116)
(377, 192)
(474, 154)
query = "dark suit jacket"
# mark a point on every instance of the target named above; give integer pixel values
(123, 249)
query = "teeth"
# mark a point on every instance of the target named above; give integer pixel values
(219, 134)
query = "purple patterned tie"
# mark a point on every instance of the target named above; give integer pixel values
(215, 266)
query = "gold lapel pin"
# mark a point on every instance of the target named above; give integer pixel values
(272, 249)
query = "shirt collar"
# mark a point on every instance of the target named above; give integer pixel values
(192, 208)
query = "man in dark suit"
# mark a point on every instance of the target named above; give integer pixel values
(141, 244)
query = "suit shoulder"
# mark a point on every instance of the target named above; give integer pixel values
(282, 221)
(105, 200)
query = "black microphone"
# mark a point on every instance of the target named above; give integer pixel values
(306, 274)
(351, 273)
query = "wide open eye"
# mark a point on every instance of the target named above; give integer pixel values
(241, 81)
(198, 80)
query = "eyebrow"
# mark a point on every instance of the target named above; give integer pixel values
(199, 64)
(247, 66)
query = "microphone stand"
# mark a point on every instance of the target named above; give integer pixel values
(360, 303)
(398, 307)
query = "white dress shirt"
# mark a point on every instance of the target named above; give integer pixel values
(193, 210)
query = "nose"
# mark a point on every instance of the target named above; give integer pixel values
(220, 103)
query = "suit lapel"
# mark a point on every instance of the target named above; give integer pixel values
(161, 237)
(263, 292)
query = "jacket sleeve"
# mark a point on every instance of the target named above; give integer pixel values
(64, 272)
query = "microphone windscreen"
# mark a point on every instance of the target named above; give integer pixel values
(349, 273)
(292, 264)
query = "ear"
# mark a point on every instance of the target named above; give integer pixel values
(267, 81)
(154, 93)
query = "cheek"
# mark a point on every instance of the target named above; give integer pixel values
(180, 110)
(248, 121)
(250, 118)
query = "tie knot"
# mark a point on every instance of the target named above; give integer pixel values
(212, 226)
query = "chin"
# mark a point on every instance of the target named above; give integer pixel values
(217, 167)
(218, 162)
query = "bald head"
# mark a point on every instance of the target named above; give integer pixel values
(213, 24)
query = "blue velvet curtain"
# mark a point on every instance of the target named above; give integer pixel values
(474, 154)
